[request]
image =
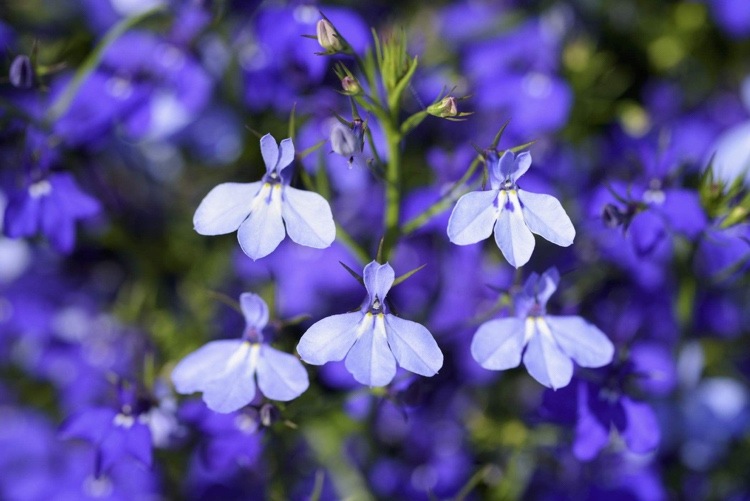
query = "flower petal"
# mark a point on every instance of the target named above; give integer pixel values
(92, 425)
(522, 164)
(193, 372)
(498, 344)
(234, 387)
(263, 230)
(270, 151)
(329, 339)
(378, 279)
(642, 433)
(370, 360)
(254, 309)
(413, 346)
(546, 217)
(281, 376)
(544, 360)
(473, 217)
(507, 165)
(581, 341)
(511, 233)
(591, 433)
(224, 208)
(286, 154)
(308, 218)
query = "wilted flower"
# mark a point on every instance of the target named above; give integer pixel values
(514, 213)
(372, 339)
(255, 210)
(225, 370)
(548, 343)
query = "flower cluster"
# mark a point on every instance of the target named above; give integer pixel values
(377, 351)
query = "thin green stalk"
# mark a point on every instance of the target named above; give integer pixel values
(445, 201)
(62, 104)
(347, 241)
(392, 188)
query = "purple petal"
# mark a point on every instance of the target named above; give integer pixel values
(581, 341)
(263, 230)
(413, 346)
(286, 154)
(642, 433)
(544, 360)
(591, 433)
(511, 233)
(370, 360)
(546, 217)
(473, 217)
(329, 339)
(91, 425)
(281, 376)
(270, 151)
(498, 344)
(308, 218)
(225, 208)
(254, 309)
(378, 280)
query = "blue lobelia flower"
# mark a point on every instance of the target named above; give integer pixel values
(225, 370)
(547, 343)
(256, 210)
(50, 206)
(116, 433)
(372, 340)
(514, 213)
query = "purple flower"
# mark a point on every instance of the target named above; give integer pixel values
(114, 432)
(514, 213)
(50, 206)
(548, 343)
(372, 340)
(256, 210)
(225, 371)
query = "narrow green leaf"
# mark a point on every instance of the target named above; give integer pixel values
(302, 154)
(292, 124)
(499, 134)
(407, 275)
(61, 105)
(353, 273)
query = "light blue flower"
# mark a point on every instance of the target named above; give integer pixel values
(547, 342)
(372, 340)
(256, 210)
(225, 371)
(514, 213)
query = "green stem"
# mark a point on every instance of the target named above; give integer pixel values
(444, 203)
(63, 102)
(347, 241)
(392, 187)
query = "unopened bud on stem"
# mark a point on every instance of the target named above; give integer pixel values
(327, 37)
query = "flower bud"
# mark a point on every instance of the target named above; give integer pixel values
(327, 37)
(351, 85)
(446, 108)
(21, 72)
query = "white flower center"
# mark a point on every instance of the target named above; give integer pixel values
(40, 189)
